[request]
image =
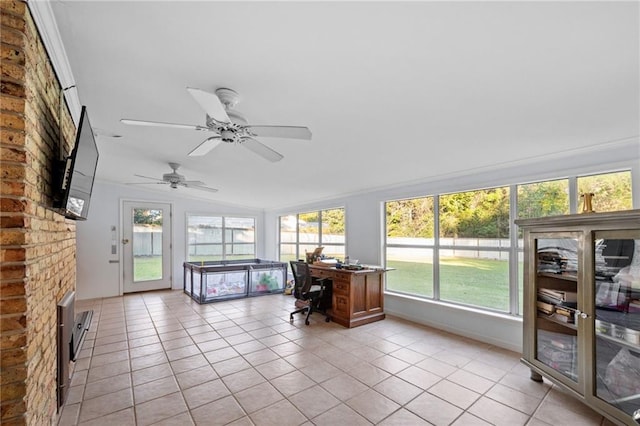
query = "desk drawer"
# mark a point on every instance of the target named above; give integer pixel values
(340, 305)
(341, 287)
(320, 273)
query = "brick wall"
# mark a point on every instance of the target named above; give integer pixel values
(37, 245)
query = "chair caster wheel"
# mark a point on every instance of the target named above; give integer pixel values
(306, 322)
(291, 319)
(327, 319)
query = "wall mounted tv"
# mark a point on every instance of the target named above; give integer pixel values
(77, 173)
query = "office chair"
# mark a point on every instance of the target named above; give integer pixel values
(305, 289)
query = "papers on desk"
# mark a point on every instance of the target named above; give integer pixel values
(328, 263)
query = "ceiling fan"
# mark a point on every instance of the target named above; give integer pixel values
(230, 125)
(174, 180)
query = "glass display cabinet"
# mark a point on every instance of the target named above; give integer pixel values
(221, 280)
(582, 308)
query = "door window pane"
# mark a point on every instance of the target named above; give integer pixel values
(147, 245)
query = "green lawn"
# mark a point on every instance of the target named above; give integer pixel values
(478, 282)
(147, 268)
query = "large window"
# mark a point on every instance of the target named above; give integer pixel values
(410, 231)
(303, 232)
(220, 238)
(461, 247)
(611, 191)
(474, 248)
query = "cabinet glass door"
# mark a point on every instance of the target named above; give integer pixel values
(617, 319)
(556, 279)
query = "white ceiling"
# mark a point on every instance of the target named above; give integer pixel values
(393, 92)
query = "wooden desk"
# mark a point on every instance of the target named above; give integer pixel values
(358, 296)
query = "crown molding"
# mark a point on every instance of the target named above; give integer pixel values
(47, 27)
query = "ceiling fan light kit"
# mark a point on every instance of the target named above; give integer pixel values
(230, 125)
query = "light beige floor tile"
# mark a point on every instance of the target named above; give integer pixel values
(390, 364)
(314, 401)
(205, 393)
(212, 345)
(221, 355)
(321, 371)
(148, 361)
(404, 417)
(275, 368)
(155, 389)
(196, 376)
(408, 355)
(419, 377)
(497, 413)
(436, 367)
(180, 342)
(145, 350)
(452, 358)
(108, 385)
(292, 383)
(341, 415)
(231, 366)
(280, 413)
(369, 374)
(258, 397)
(454, 393)
(485, 370)
(398, 390)
(249, 347)
(433, 409)
(261, 356)
(183, 419)
(218, 413)
(106, 404)
(69, 414)
(184, 352)
(471, 381)
(467, 419)
(551, 412)
(514, 398)
(190, 363)
(75, 395)
(372, 405)
(121, 418)
(143, 341)
(108, 370)
(111, 347)
(243, 379)
(160, 409)
(344, 386)
(150, 374)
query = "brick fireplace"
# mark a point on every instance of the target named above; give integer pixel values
(38, 252)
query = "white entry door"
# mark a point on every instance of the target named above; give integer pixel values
(146, 246)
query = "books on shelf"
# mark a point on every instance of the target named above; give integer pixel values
(545, 307)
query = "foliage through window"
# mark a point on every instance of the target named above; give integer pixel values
(303, 232)
(220, 238)
(459, 248)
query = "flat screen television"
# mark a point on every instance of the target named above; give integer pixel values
(78, 172)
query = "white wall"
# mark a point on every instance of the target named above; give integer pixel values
(99, 278)
(99, 272)
(364, 212)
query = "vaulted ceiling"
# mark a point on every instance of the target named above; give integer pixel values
(393, 92)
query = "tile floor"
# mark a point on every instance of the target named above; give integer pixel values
(161, 359)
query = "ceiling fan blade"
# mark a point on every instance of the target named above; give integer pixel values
(200, 187)
(147, 183)
(152, 178)
(262, 150)
(162, 124)
(211, 104)
(205, 146)
(193, 183)
(291, 132)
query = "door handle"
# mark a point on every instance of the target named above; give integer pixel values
(125, 241)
